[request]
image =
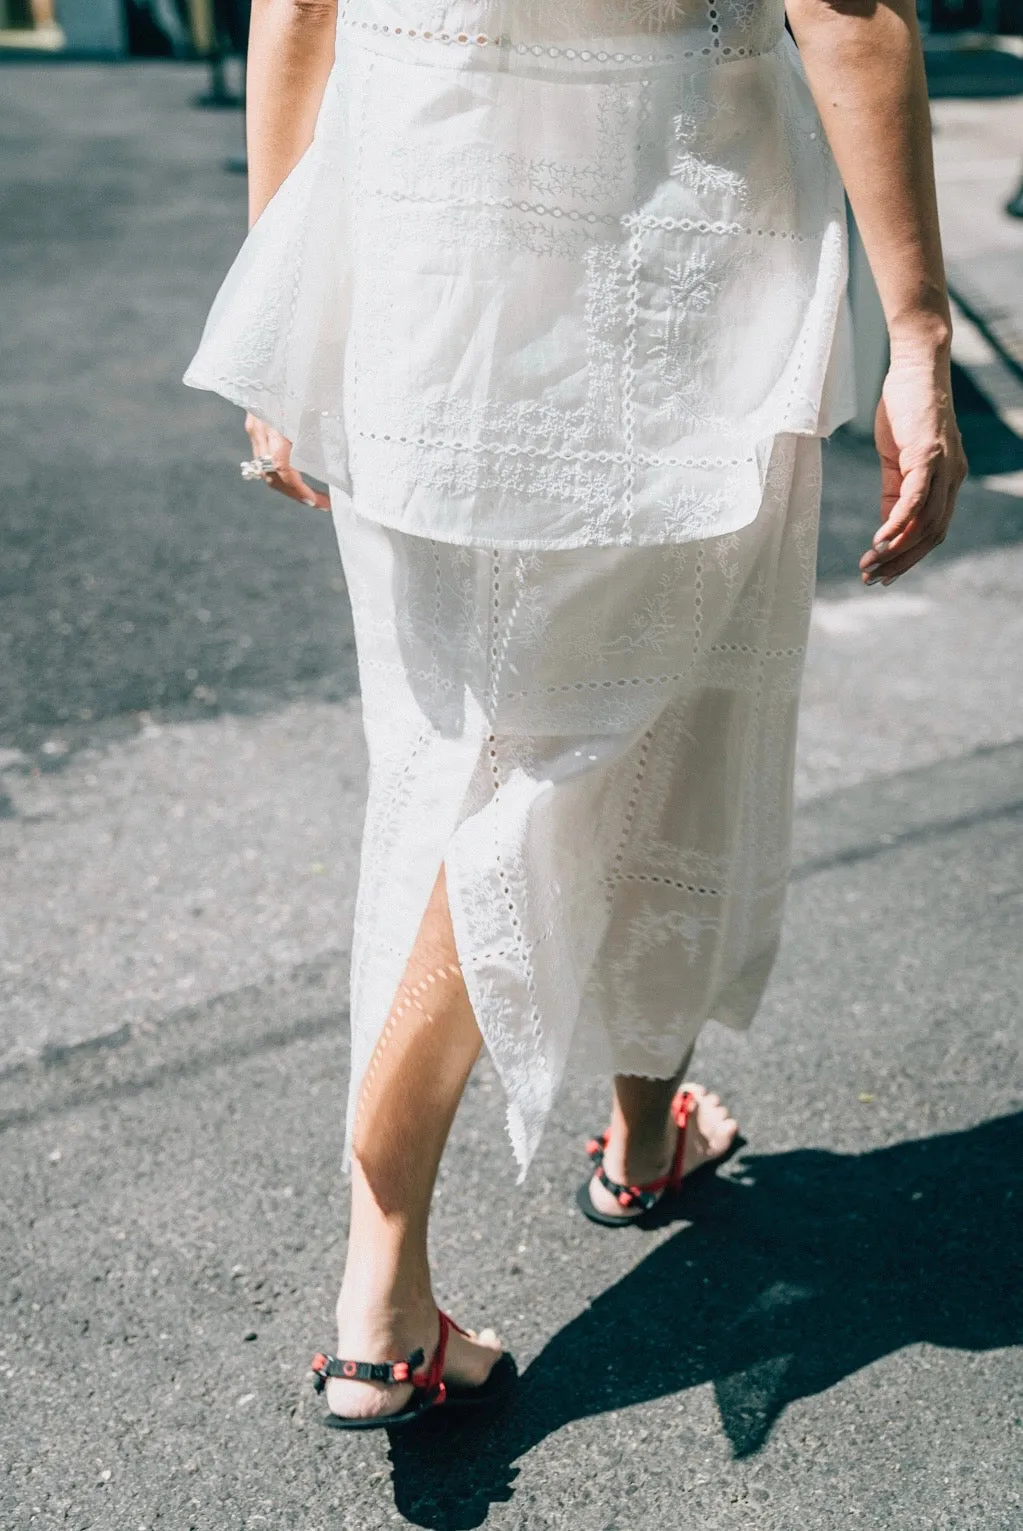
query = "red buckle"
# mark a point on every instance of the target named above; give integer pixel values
(400, 1371)
(318, 1362)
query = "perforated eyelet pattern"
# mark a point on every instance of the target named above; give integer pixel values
(590, 771)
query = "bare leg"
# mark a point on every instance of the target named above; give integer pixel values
(643, 1135)
(405, 1109)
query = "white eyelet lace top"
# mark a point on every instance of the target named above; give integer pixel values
(551, 274)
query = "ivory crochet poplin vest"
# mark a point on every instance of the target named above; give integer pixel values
(553, 273)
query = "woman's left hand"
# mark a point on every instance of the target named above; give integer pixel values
(922, 463)
(266, 442)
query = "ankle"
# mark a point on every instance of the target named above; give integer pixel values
(385, 1280)
(643, 1131)
(360, 1294)
(375, 1331)
(381, 1287)
(641, 1148)
(386, 1266)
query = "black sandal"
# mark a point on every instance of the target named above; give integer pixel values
(429, 1388)
(641, 1197)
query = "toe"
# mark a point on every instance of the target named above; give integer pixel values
(470, 1362)
(715, 1128)
(725, 1135)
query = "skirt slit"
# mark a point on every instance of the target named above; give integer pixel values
(598, 745)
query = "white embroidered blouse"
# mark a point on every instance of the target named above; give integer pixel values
(553, 273)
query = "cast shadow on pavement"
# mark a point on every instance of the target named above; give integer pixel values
(796, 1272)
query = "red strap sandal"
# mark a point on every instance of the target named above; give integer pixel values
(429, 1390)
(637, 1200)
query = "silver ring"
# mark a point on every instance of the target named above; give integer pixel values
(257, 467)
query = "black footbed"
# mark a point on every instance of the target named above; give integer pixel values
(584, 1201)
(460, 1400)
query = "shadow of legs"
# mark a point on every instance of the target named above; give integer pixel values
(807, 1268)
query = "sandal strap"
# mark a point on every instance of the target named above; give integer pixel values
(682, 1108)
(324, 1366)
(641, 1196)
(644, 1196)
(429, 1382)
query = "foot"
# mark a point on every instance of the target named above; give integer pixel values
(710, 1133)
(377, 1334)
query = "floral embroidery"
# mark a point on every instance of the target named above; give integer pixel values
(613, 884)
(485, 303)
(703, 176)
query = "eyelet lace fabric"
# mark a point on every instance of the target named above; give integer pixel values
(551, 275)
(598, 745)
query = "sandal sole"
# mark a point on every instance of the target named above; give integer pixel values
(461, 1402)
(584, 1201)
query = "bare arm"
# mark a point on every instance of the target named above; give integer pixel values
(864, 64)
(291, 51)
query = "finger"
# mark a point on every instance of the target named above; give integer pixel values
(933, 517)
(315, 498)
(927, 527)
(876, 562)
(289, 482)
(912, 497)
(909, 560)
(892, 568)
(879, 570)
(259, 436)
(917, 532)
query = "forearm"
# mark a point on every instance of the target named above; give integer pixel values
(864, 64)
(291, 50)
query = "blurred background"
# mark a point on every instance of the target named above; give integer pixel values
(181, 791)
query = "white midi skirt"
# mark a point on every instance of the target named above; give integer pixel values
(598, 745)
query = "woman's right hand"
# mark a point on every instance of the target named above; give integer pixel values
(922, 463)
(266, 442)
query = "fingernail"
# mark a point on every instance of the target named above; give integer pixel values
(310, 502)
(881, 547)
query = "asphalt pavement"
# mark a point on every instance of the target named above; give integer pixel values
(826, 1335)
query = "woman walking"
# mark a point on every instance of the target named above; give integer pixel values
(550, 293)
